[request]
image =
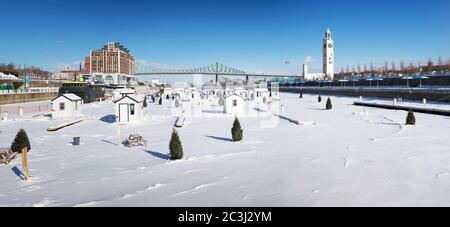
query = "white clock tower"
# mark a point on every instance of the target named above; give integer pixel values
(328, 55)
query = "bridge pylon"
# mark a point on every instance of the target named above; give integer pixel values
(216, 79)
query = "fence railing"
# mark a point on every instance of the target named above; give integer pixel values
(31, 90)
(373, 88)
(25, 109)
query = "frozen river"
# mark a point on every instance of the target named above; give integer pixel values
(347, 156)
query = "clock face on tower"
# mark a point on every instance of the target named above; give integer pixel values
(330, 45)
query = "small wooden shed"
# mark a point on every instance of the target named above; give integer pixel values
(234, 104)
(129, 109)
(66, 105)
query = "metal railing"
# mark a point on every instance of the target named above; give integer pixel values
(21, 109)
(31, 90)
(373, 88)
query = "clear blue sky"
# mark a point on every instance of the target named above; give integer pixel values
(253, 35)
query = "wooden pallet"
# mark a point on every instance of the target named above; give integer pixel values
(6, 156)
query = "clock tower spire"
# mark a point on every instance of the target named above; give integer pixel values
(328, 55)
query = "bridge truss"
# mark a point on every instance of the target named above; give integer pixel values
(213, 69)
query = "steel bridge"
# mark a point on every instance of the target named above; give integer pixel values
(216, 69)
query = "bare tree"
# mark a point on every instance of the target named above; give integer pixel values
(402, 67)
(386, 67)
(18, 71)
(430, 65)
(448, 64)
(359, 68)
(440, 64)
(393, 68)
(411, 68)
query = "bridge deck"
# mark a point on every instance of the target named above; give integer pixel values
(220, 74)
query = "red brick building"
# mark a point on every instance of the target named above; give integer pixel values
(113, 64)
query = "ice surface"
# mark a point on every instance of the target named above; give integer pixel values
(348, 156)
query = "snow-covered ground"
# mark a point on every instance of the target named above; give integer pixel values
(348, 156)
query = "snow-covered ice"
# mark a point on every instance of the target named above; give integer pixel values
(348, 156)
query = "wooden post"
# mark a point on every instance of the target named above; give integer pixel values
(25, 167)
(118, 134)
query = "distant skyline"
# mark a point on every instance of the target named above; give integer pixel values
(252, 35)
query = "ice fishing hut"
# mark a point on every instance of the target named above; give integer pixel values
(234, 104)
(129, 109)
(167, 91)
(275, 95)
(117, 94)
(261, 95)
(66, 105)
(194, 95)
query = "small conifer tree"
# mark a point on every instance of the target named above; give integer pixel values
(410, 119)
(329, 106)
(175, 147)
(221, 101)
(145, 102)
(160, 101)
(21, 141)
(301, 95)
(177, 103)
(236, 131)
(167, 97)
(319, 99)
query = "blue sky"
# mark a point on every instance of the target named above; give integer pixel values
(253, 35)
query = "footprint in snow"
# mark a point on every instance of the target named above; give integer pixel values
(43, 203)
(439, 175)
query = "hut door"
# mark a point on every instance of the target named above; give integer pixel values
(123, 113)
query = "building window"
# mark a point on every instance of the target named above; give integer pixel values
(62, 106)
(132, 109)
(235, 103)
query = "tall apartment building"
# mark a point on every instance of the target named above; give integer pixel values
(113, 64)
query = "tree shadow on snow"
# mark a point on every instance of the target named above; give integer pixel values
(159, 155)
(18, 172)
(106, 141)
(390, 124)
(109, 118)
(220, 138)
(213, 111)
(318, 108)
